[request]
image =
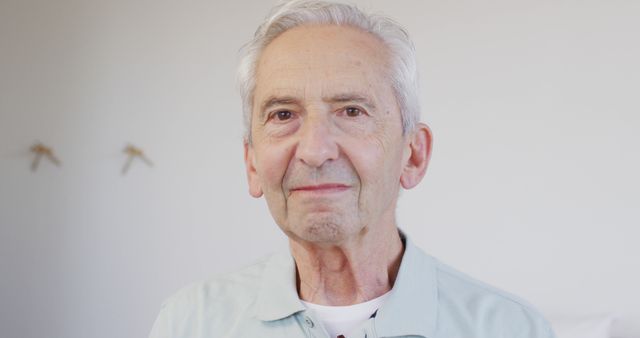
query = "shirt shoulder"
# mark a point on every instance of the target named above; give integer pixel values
(244, 281)
(210, 305)
(469, 305)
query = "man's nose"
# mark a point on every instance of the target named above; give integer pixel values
(316, 143)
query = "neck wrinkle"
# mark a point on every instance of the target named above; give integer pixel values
(347, 274)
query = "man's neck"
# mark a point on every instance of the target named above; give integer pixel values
(353, 272)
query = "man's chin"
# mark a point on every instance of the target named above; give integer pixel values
(323, 231)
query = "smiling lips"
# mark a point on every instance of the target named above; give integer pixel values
(321, 188)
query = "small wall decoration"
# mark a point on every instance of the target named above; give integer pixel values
(133, 153)
(42, 151)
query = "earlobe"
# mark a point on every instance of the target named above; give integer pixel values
(252, 175)
(417, 160)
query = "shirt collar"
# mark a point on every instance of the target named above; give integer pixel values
(278, 295)
(412, 306)
(410, 309)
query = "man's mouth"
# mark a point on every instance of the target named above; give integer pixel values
(321, 188)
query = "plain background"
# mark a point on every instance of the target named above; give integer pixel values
(533, 185)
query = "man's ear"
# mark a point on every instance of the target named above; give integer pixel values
(252, 175)
(416, 157)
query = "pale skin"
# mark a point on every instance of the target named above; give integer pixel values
(329, 155)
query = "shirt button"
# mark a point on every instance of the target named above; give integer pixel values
(308, 321)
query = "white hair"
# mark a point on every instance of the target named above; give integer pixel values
(291, 14)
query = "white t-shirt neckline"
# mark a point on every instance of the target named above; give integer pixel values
(341, 320)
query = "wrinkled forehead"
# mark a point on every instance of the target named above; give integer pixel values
(326, 59)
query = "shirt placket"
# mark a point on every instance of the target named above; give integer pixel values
(313, 328)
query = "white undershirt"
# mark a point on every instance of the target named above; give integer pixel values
(341, 320)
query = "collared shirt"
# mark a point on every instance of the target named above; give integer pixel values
(428, 299)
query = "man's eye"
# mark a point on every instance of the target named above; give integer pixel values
(283, 115)
(353, 111)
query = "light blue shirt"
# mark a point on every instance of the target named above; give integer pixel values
(428, 299)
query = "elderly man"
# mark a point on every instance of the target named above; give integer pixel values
(331, 107)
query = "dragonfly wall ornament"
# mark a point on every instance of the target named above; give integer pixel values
(42, 151)
(133, 153)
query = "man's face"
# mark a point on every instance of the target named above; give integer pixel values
(328, 148)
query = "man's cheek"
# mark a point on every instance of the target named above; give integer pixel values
(271, 172)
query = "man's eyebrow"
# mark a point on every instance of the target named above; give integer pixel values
(274, 101)
(351, 97)
(338, 98)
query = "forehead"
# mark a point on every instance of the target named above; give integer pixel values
(323, 59)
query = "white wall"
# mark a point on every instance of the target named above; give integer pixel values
(533, 185)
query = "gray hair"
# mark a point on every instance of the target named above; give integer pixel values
(291, 14)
